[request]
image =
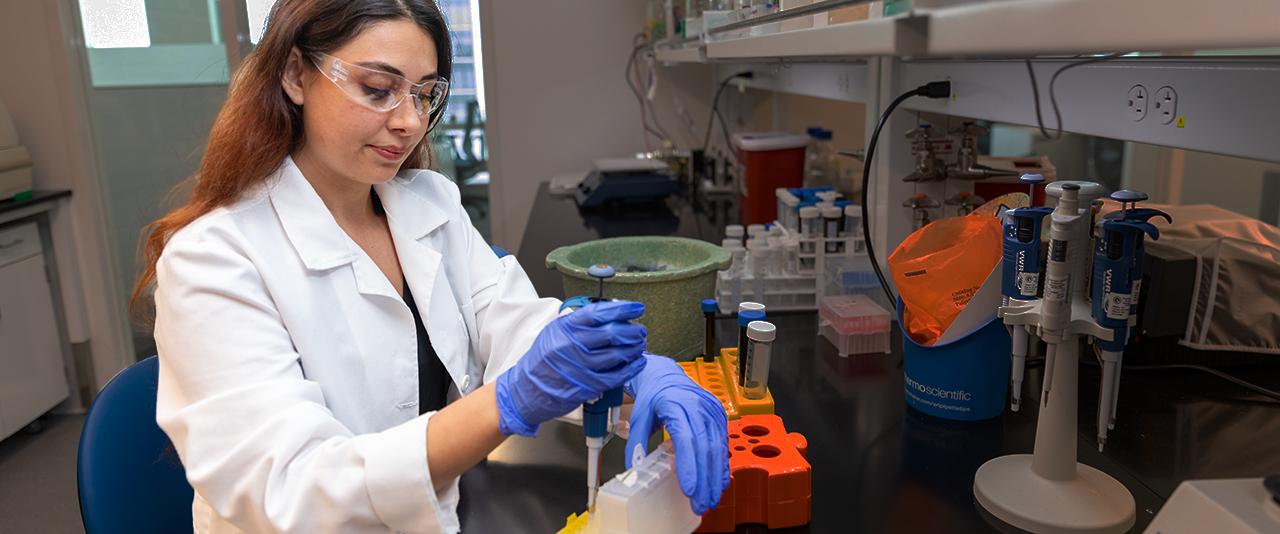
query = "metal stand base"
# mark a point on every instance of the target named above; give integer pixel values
(1092, 502)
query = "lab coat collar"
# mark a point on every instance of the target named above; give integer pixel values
(312, 230)
(413, 214)
(315, 234)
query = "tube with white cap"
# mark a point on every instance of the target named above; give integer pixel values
(759, 352)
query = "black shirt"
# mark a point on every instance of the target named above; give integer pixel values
(433, 378)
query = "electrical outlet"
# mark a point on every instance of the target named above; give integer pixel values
(1166, 104)
(1138, 97)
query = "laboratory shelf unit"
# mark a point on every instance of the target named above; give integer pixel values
(894, 36)
(1224, 105)
(1021, 28)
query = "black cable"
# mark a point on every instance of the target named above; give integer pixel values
(715, 107)
(1035, 92)
(931, 90)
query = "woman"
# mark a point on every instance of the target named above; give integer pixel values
(321, 300)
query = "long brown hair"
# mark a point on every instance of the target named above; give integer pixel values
(258, 126)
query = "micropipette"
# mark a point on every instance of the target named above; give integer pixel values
(601, 414)
(1113, 284)
(1021, 278)
(1064, 241)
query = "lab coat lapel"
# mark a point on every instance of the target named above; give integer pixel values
(316, 236)
(412, 220)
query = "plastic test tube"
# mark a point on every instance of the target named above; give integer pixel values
(736, 231)
(754, 230)
(736, 269)
(781, 193)
(709, 314)
(853, 224)
(791, 220)
(758, 258)
(791, 257)
(809, 228)
(760, 336)
(775, 256)
(831, 219)
(745, 316)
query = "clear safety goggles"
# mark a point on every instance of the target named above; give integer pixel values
(380, 90)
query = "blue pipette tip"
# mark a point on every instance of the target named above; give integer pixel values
(709, 305)
(1032, 178)
(1125, 196)
(600, 271)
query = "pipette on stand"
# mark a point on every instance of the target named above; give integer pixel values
(1064, 242)
(601, 415)
(1130, 212)
(1113, 286)
(1020, 279)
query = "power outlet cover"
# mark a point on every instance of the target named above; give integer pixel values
(1138, 97)
(1166, 105)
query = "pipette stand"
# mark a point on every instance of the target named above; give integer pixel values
(1049, 492)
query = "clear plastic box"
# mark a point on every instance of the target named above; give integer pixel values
(855, 314)
(847, 344)
(645, 499)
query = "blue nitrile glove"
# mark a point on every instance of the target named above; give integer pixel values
(696, 421)
(575, 359)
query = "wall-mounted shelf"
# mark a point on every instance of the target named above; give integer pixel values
(682, 55)
(1017, 28)
(843, 81)
(1222, 105)
(1024, 28)
(873, 37)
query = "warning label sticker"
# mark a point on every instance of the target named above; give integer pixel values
(1028, 283)
(1117, 305)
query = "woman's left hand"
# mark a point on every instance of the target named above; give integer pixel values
(696, 421)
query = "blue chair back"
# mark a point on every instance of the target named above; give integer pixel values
(130, 478)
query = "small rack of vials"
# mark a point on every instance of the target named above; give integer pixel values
(783, 264)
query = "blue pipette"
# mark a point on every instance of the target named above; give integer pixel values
(1020, 278)
(601, 414)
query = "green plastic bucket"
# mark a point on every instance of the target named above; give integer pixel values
(671, 296)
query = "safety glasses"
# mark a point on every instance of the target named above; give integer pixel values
(380, 90)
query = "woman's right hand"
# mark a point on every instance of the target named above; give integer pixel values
(575, 359)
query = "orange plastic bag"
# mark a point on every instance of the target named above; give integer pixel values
(939, 268)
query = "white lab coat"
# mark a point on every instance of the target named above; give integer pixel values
(288, 363)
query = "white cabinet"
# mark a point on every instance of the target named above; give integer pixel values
(32, 377)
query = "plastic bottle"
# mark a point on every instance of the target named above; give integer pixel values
(760, 336)
(818, 168)
(754, 230)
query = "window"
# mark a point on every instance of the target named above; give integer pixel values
(175, 42)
